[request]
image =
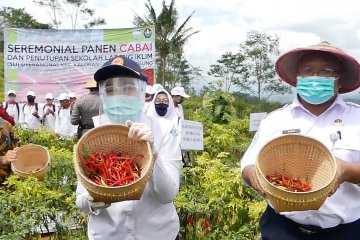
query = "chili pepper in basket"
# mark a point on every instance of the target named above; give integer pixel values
(284, 182)
(112, 169)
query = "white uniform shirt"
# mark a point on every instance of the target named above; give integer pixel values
(154, 215)
(49, 120)
(27, 120)
(179, 111)
(344, 205)
(63, 125)
(170, 113)
(13, 110)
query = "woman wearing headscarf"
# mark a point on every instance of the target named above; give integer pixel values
(162, 106)
(122, 90)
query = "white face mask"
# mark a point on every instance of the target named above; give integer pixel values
(11, 98)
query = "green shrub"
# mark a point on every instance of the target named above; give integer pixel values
(42, 137)
(29, 204)
(213, 202)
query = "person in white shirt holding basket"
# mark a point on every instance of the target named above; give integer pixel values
(122, 87)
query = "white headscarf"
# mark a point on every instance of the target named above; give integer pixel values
(170, 114)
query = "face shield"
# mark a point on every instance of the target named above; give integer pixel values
(122, 98)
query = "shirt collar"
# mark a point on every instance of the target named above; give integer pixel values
(297, 104)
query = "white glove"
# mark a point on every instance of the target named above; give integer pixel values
(94, 205)
(140, 131)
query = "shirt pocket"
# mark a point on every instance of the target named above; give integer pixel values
(348, 147)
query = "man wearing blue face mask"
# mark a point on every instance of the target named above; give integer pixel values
(320, 74)
(122, 87)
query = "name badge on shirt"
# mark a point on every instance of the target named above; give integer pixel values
(290, 131)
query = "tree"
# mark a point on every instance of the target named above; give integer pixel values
(257, 52)
(170, 39)
(54, 9)
(252, 68)
(179, 71)
(76, 10)
(229, 68)
(18, 18)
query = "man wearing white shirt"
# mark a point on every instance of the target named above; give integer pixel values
(49, 111)
(178, 94)
(30, 114)
(320, 74)
(11, 106)
(63, 127)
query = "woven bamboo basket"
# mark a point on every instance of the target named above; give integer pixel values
(297, 156)
(113, 138)
(32, 160)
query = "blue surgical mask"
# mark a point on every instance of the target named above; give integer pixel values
(120, 108)
(315, 89)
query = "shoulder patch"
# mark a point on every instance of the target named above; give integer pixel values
(352, 104)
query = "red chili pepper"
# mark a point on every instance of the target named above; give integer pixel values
(112, 169)
(285, 182)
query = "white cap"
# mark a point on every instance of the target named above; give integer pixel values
(71, 95)
(63, 96)
(179, 91)
(49, 96)
(30, 93)
(11, 91)
(148, 89)
(156, 87)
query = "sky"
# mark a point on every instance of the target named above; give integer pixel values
(224, 24)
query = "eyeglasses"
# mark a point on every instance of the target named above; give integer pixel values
(158, 101)
(324, 72)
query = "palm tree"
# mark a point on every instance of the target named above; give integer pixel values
(170, 39)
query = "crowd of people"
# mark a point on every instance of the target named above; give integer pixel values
(34, 115)
(73, 117)
(119, 94)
